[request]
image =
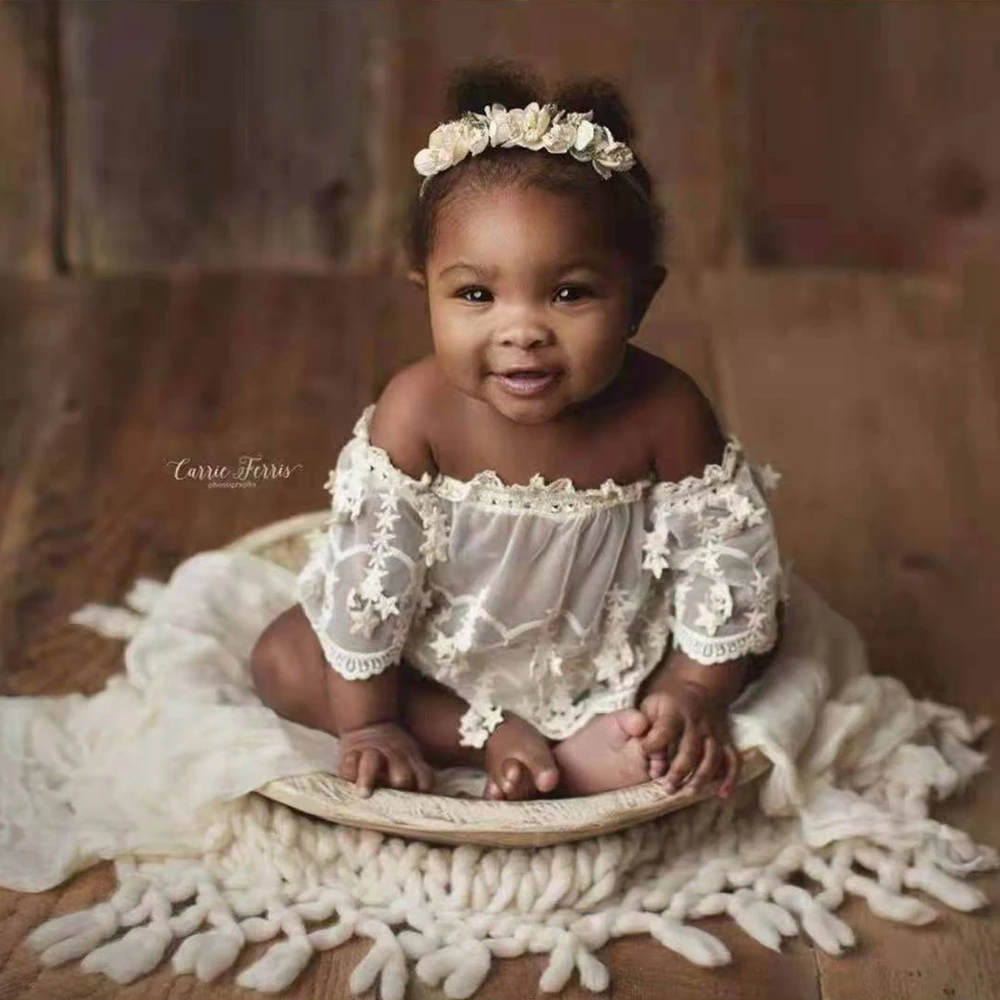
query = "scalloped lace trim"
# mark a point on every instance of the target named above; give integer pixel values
(713, 474)
(709, 650)
(560, 496)
(357, 666)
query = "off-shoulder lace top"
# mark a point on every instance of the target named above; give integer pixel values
(542, 599)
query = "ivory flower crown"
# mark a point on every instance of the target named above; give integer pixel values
(536, 126)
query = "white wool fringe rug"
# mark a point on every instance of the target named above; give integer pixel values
(156, 772)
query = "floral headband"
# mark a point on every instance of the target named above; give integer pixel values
(534, 127)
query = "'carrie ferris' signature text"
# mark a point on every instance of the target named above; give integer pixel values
(250, 470)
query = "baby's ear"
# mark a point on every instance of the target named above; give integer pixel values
(417, 277)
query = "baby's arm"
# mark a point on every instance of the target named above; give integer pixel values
(718, 682)
(687, 700)
(355, 704)
(687, 439)
(369, 712)
(374, 746)
(687, 705)
(293, 677)
(338, 652)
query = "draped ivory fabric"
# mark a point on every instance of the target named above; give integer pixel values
(154, 772)
(541, 599)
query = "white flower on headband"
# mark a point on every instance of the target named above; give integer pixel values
(534, 127)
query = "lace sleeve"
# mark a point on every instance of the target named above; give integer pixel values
(363, 580)
(716, 537)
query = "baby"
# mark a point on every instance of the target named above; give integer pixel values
(545, 559)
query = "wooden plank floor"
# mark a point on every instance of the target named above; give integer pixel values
(879, 400)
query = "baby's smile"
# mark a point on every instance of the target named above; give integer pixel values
(527, 383)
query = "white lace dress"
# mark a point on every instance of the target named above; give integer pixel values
(542, 599)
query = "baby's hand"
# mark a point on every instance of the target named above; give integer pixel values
(519, 761)
(384, 749)
(697, 725)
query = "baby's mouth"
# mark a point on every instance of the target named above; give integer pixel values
(525, 381)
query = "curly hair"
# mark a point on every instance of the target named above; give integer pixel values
(635, 219)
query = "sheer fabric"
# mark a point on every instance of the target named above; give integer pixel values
(541, 599)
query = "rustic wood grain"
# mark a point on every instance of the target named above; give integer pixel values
(877, 398)
(120, 378)
(218, 135)
(27, 195)
(138, 136)
(869, 135)
(879, 401)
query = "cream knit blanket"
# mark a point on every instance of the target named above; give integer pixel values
(155, 770)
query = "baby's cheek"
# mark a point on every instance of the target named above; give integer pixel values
(591, 372)
(463, 371)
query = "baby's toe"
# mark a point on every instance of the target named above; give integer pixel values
(517, 782)
(657, 765)
(633, 722)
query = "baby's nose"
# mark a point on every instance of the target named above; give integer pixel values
(525, 336)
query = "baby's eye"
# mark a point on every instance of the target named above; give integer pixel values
(478, 295)
(579, 291)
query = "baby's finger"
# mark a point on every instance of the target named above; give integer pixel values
(425, 775)
(368, 770)
(709, 763)
(688, 755)
(348, 769)
(733, 762)
(400, 772)
(665, 729)
(493, 790)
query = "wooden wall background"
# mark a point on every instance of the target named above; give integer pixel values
(220, 135)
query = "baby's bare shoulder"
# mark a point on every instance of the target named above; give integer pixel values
(682, 429)
(399, 423)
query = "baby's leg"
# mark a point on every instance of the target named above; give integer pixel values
(433, 713)
(293, 678)
(289, 671)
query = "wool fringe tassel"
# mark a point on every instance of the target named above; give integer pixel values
(117, 622)
(268, 872)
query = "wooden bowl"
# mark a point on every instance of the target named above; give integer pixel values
(457, 820)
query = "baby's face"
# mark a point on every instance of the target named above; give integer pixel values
(526, 279)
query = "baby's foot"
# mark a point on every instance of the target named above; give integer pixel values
(519, 762)
(607, 754)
